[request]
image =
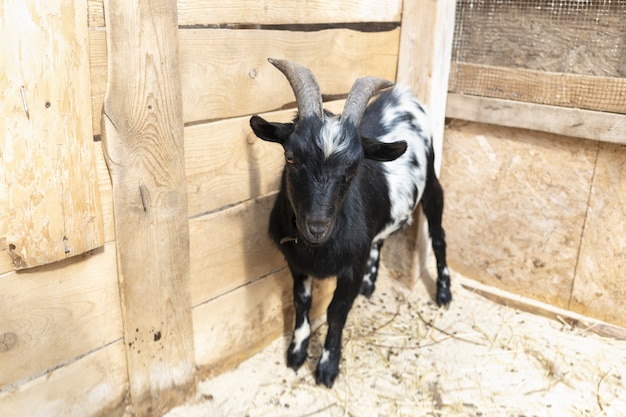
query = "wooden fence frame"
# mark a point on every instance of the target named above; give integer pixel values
(144, 209)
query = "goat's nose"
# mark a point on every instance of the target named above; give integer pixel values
(318, 227)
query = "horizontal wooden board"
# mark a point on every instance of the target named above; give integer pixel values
(587, 124)
(271, 12)
(57, 312)
(515, 207)
(230, 248)
(599, 289)
(541, 309)
(227, 164)
(252, 85)
(552, 88)
(228, 329)
(95, 385)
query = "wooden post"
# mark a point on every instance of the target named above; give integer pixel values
(143, 141)
(424, 65)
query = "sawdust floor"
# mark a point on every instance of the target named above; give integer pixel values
(405, 357)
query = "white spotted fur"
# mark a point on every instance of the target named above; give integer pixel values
(401, 174)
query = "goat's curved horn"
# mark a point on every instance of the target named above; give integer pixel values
(360, 93)
(304, 86)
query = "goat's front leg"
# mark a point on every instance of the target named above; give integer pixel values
(296, 355)
(348, 285)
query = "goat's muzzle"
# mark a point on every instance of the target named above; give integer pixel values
(316, 230)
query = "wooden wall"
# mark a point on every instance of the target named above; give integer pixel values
(538, 214)
(67, 347)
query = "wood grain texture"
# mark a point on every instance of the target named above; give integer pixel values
(230, 248)
(224, 336)
(598, 289)
(55, 313)
(50, 195)
(515, 207)
(272, 12)
(143, 141)
(586, 124)
(251, 84)
(95, 385)
(541, 87)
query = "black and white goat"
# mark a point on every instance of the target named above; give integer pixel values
(349, 182)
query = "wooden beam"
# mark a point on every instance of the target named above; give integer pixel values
(49, 198)
(143, 140)
(541, 87)
(587, 124)
(273, 12)
(423, 64)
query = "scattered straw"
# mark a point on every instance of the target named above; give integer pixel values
(402, 356)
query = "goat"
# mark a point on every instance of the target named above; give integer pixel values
(349, 181)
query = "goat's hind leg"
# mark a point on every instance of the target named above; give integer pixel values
(297, 352)
(371, 271)
(432, 205)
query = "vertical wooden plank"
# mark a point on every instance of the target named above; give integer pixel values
(50, 204)
(143, 140)
(424, 65)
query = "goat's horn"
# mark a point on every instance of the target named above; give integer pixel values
(360, 93)
(304, 86)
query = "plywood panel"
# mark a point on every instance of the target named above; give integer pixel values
(271, 12)
(57, 312)
(95, 385)
(515, 206)
(52, 202)
(225, 335)
(143, 139)
(251, 84)
(599, 289)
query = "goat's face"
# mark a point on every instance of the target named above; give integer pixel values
(322, 157)
(322, 151)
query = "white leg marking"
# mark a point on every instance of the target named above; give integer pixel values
(325, 356)
(300, 335)
(307, 283)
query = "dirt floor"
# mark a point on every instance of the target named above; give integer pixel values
(405, 357)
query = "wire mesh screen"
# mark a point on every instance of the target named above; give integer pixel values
(561, 52)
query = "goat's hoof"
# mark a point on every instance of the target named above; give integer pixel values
(367, 289)
(295, 360)
(326, 373)
(444, 296)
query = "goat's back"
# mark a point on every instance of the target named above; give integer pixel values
(397, 115)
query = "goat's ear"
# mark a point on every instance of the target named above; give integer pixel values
(381, 151)
(270, 131)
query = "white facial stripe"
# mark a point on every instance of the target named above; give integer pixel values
(331, 138)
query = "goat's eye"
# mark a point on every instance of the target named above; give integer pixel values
(289, 158)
